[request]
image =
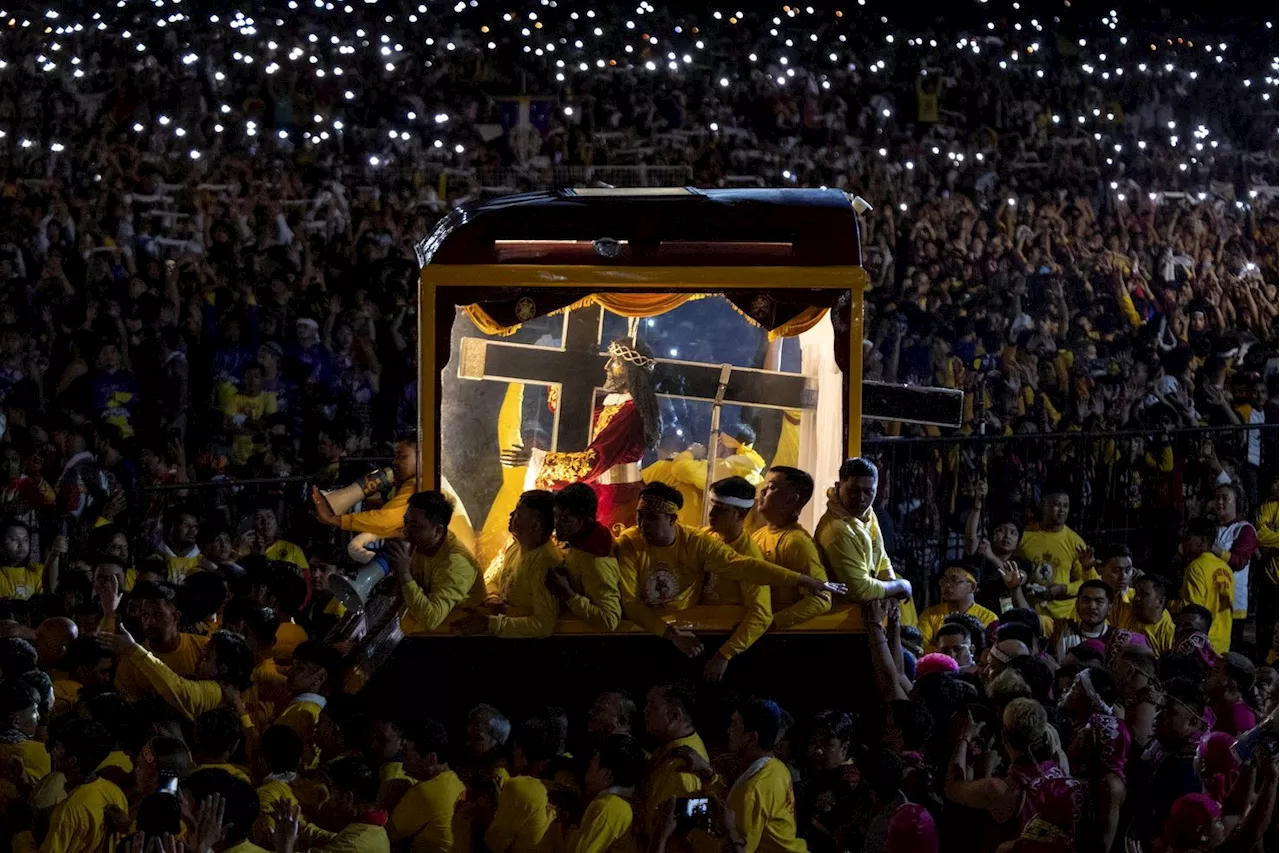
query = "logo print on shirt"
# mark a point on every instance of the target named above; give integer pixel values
(661, 586)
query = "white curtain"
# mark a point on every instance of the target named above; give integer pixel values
(821, 440)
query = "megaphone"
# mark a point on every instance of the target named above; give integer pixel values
(341, 500)
(354, 592)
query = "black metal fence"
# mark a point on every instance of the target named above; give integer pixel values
(1136, 487)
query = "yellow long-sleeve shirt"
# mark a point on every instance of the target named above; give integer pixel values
(521, 583)
(182, 661)
(933, 617)
(686, 475)
(658, 580)
(352, 838)
(441, 581)
(1268, 530)
(605, 827)
(393, 784)
(78, 825)
(765, 806)
(425, 814)
(1210, 583)
(793, 548)
(384, 522)
(755, 598)
(525, 820)
(1059, 550)
(301, 715)
(853, 550)
(189, 696)
(596, 599)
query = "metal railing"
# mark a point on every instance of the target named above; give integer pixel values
(1135, 487)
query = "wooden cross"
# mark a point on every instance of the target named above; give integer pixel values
(577, 367)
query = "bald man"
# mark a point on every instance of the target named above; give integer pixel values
(999, 655)
(53, 637)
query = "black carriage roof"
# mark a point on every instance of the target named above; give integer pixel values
(799, 227)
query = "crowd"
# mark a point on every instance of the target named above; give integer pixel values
(191, 707)
(207, 273)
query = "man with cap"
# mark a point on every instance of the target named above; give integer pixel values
(958, 589)
(731, 499)
(662, 566)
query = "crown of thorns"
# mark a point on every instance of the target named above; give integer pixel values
(626, 353)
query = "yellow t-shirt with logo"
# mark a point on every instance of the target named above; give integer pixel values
(1058, 551)
(21, 582)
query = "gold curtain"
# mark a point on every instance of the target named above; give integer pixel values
(645, 305)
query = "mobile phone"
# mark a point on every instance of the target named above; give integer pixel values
(169, 785)
(692, 813)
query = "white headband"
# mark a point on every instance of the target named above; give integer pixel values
(740, 503)
(1087, 680)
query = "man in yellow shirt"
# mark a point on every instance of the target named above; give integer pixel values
(518, 599)
(663, 566)
(762, 798)
(264, 538)
(783, 541)
(587, 582)
(353, 788)
(86, 664)
(179, 547)
(20, 717)
(731, 500)
(958, 589)
(218, 735)
(1208, 581)
(851, 543)
(612, 775)
(313, 675)
(424, 815)
(1115, 566)
(386, 521)
(526, 820)
(668, 720)
(224, 671)
(1147, 613)
(1059, 557)
(436, 572)
(245, 411)
(78, 824)
(278, 760)
(159, 620)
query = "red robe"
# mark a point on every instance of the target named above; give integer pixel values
(617, 439)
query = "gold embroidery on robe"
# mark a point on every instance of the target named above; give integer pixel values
(607, 413)
(568, 467)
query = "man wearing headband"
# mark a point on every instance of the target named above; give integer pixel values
(852, 546)
(622, 429)
(663, 566)
(1167, 769)
(958, 589)
(1093, 603)
(738, 455)
(783, 541)
(731, 499)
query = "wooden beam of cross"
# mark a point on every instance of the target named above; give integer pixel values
(577, 367)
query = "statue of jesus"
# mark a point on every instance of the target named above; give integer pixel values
(623, 428)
